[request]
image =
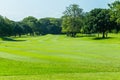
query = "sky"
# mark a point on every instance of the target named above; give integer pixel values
(18, 9)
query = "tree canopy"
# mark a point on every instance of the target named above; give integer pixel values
(73, 21)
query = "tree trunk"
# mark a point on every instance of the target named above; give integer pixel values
(19, 35)
(103, 35)
(73, 34)
(68, 34)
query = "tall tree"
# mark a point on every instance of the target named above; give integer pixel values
(100, 19)
(72, 20)
(115, 14)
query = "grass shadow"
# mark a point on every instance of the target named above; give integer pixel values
(11, 39)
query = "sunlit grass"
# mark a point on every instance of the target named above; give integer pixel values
(57, 57)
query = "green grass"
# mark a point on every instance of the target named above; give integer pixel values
(57, 57)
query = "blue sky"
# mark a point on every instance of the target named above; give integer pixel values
(18, 9)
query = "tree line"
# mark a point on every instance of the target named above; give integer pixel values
(30, 26)
(73, 21)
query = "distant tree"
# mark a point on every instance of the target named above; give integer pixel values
(9, 26)
(55, 26)
(50, 26)
(31, 22)
(87, 24)
(44, 23)
(26, 29)
(5, 26)
(100, 21)
(72, 20)
(2, 26)
(18, 29)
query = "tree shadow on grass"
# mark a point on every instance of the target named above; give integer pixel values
(86, 35)
(100, 38)
(11, 39)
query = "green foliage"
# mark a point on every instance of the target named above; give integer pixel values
(18, 29)
(31, 22)
(30, 26)
(99, 21)
(115, 14)
(50, 25)
(72, 20)
(88, 24)
(5, 27)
